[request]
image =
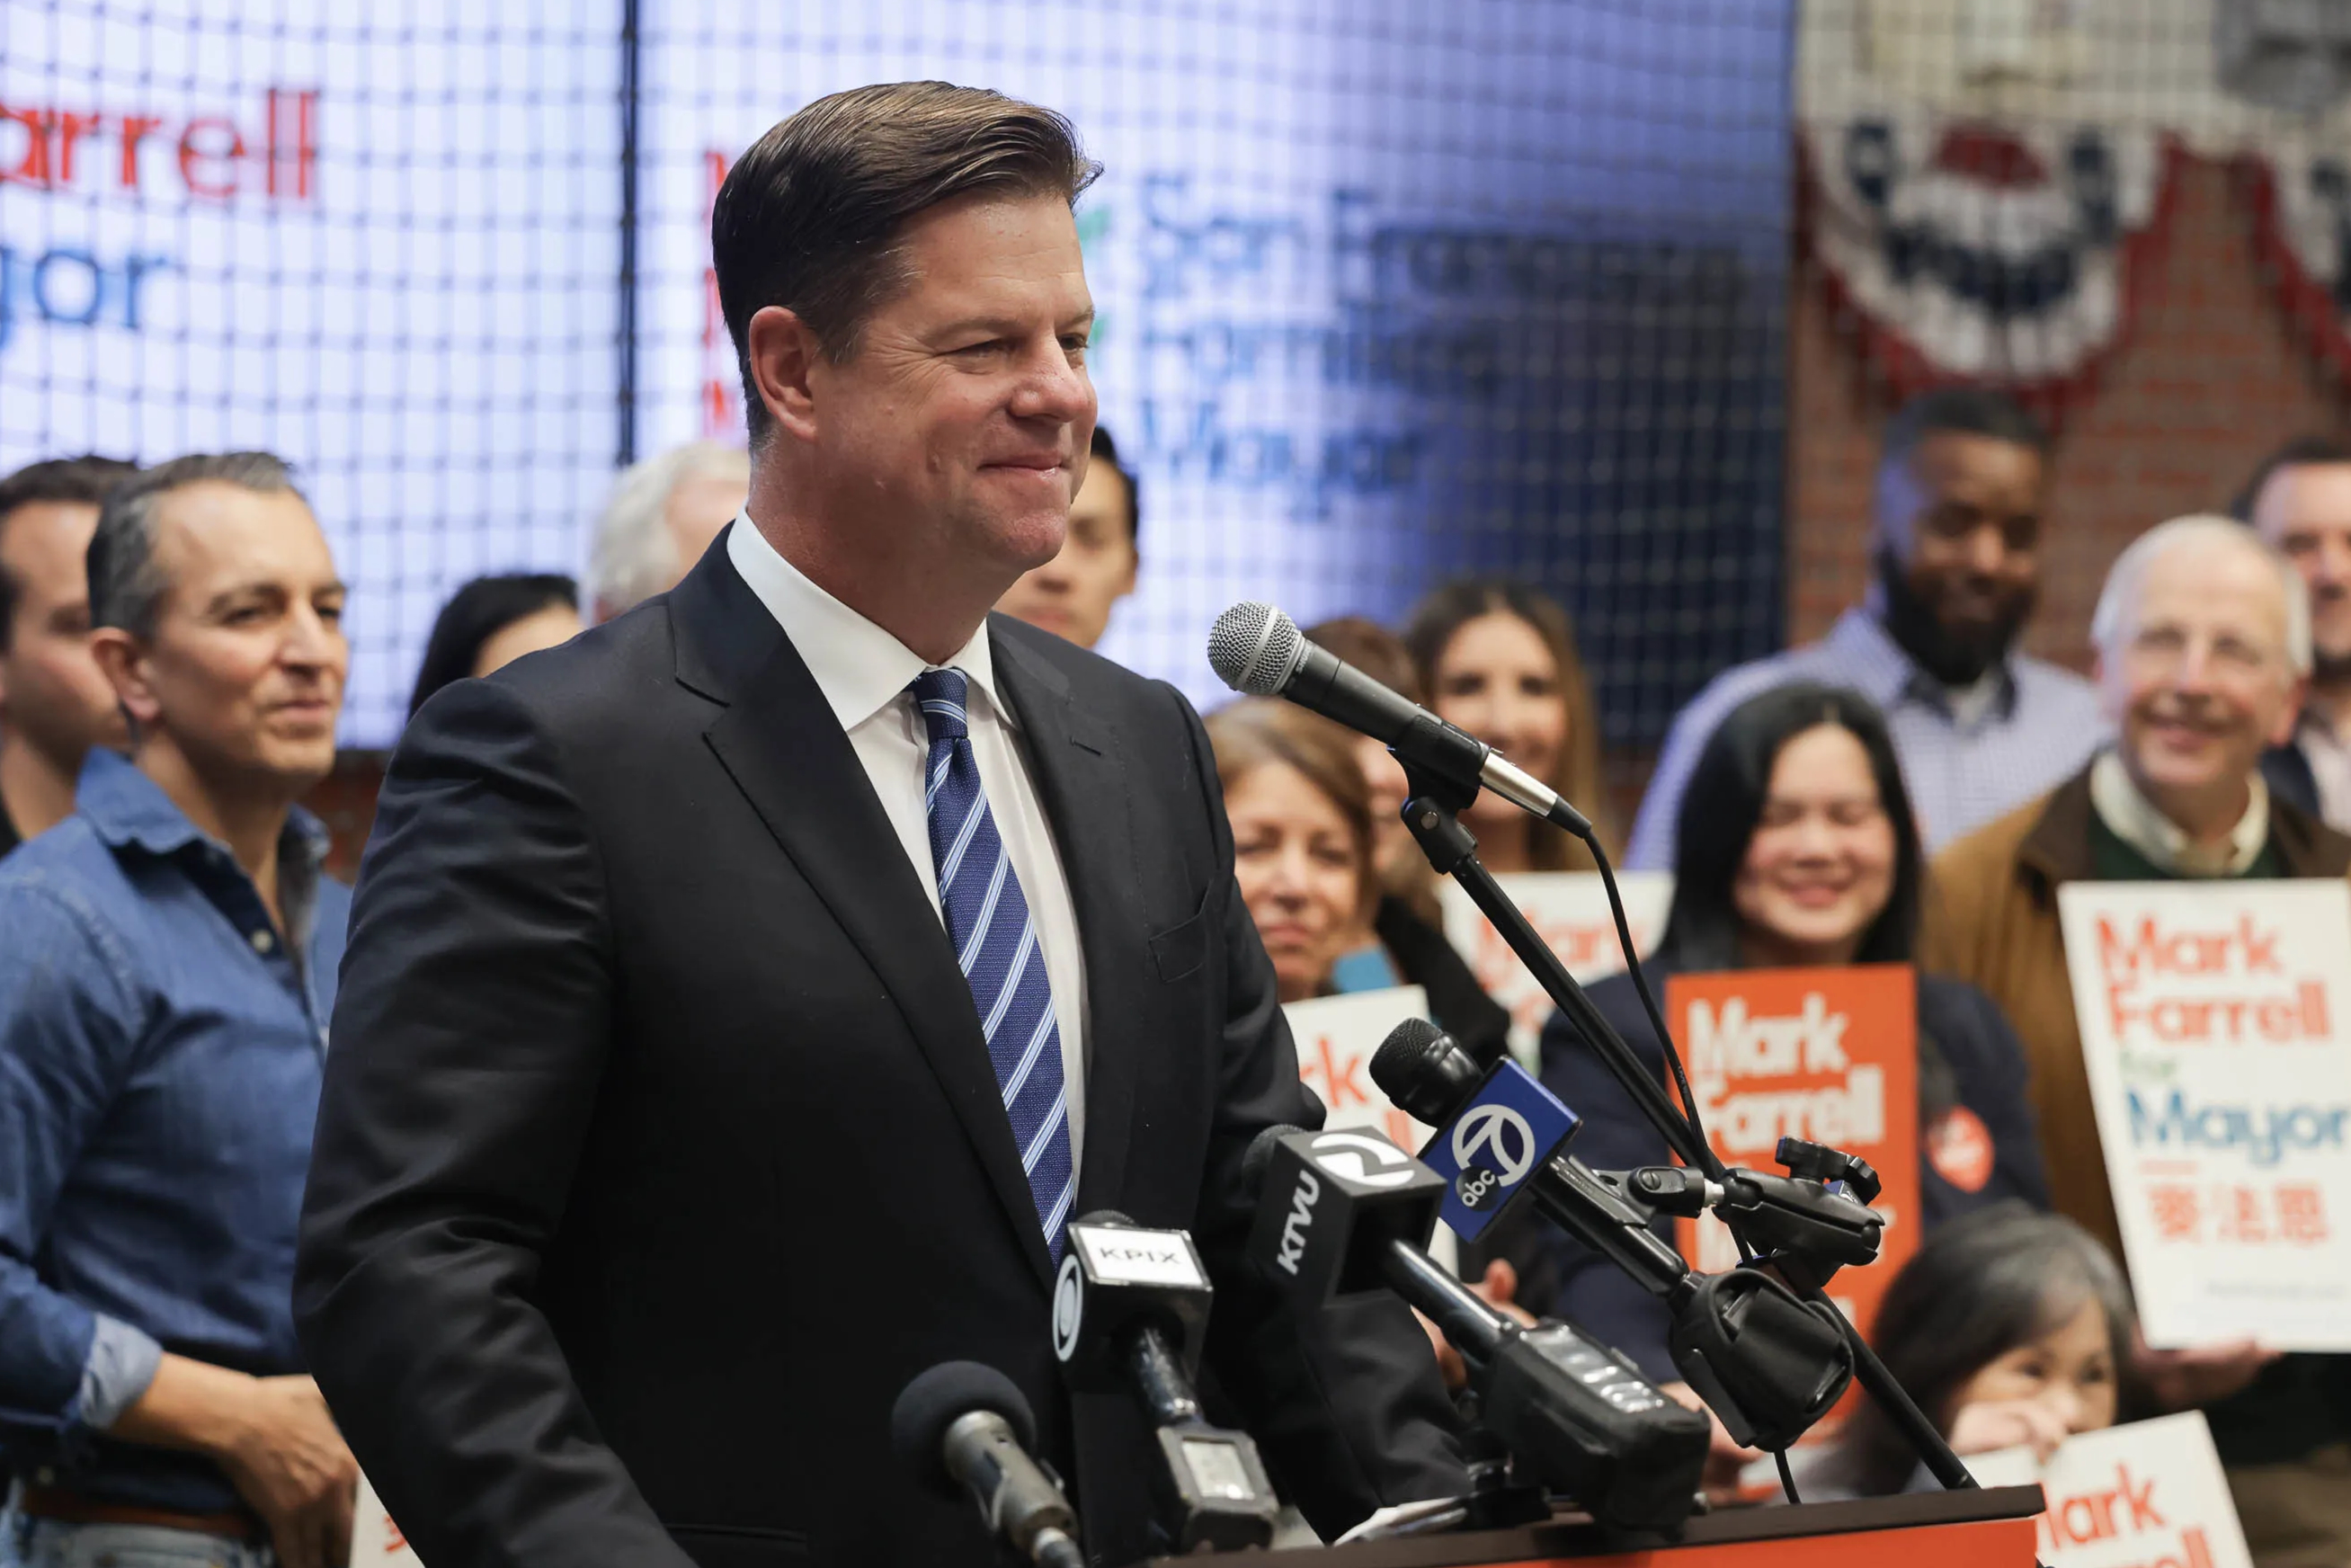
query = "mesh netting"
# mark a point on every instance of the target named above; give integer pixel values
(1384, 298)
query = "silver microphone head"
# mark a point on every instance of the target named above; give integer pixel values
(1254, 647)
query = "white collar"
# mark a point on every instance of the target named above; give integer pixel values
(858, 668)
(2136, 821)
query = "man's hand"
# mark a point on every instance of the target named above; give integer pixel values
(2191, 1379)
(273, 1438)
(291, 1464)
(1498, 1288)
(1725, 1459)
(1995, 1424)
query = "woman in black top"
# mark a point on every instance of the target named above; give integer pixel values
(1408, 921)
(1797, 847)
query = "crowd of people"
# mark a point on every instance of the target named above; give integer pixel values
(1910, 789)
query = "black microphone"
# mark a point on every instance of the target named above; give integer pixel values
(1344, 1211)
(1770, 1364)
(967, 1422)
(1257, 650)
(1130, 1311)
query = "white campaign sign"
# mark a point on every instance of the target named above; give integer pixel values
(2210, 1027)
(376, 1541)
(1570, 911)
(1337, 1037)
(2148, 1495)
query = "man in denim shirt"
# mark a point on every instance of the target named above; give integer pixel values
(164, 988)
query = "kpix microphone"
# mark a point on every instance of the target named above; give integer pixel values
(1344, 1211)
(967, 1422)
(1130, 1308)
(1771, 1366)
(1257, 650)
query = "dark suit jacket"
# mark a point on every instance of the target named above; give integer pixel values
(660, 1146)
(2287, 769)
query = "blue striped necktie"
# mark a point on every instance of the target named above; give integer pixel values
(996, 945)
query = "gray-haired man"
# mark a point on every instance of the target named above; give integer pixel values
(661, 517)
(164, 993)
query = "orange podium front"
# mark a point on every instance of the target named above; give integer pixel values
(1989, 1528)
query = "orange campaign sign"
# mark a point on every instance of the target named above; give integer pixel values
(1830, 1056)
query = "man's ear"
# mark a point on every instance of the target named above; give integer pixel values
(784, 352)
(122, 659)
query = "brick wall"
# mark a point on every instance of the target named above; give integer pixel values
(2211, 379)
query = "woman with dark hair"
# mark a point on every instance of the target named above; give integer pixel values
(2008, 1329)
(1499, 659)
(1797, 849)
(491, 622)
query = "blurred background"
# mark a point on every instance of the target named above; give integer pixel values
(1613, 296)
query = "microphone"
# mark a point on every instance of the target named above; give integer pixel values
(1770, 1364)
(968, 1422)
(1259, 651)
(1130, 1311)
(1346, 1211)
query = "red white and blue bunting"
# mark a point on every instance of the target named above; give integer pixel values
(2300, 200)
(2011, 254)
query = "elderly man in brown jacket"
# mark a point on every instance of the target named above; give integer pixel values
(2203, 646)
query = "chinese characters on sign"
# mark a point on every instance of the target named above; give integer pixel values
(2208, 1027)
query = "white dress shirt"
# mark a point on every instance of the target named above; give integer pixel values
(2134, 819)
(863, 672)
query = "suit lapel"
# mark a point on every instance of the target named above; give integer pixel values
(1081, 779)
(780, 743)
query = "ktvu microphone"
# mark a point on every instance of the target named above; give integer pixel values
(1345, 1211)
(1130, 1310)
(1257, 650)
(968, 1422)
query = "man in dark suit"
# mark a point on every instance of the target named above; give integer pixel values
(743, 997)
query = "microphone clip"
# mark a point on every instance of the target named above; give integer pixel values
(1809, 1223)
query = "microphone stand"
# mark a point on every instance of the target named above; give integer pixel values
(1432, 813)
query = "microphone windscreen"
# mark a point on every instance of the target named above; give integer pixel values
(1106, 1216)
(940, 1397)
(1396, 1064)
(1259, 1156)
(1253, 648)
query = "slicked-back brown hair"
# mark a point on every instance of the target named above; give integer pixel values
(811, 216)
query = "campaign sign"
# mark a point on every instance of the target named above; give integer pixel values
(2222, 1089)
(1830, 1056)
(1569, 910)
(1502, 1136)
(376, 1541)
(1337, 1037)
(2148, 1495)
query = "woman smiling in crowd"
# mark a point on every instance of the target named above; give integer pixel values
(1797, 849)
(1301, 816)
(1499, 660)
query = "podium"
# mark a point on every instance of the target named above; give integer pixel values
(1989, 1528)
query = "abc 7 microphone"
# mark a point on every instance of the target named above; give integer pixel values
(1130, 1310)
(1345, 1211)
(1770, 1364)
